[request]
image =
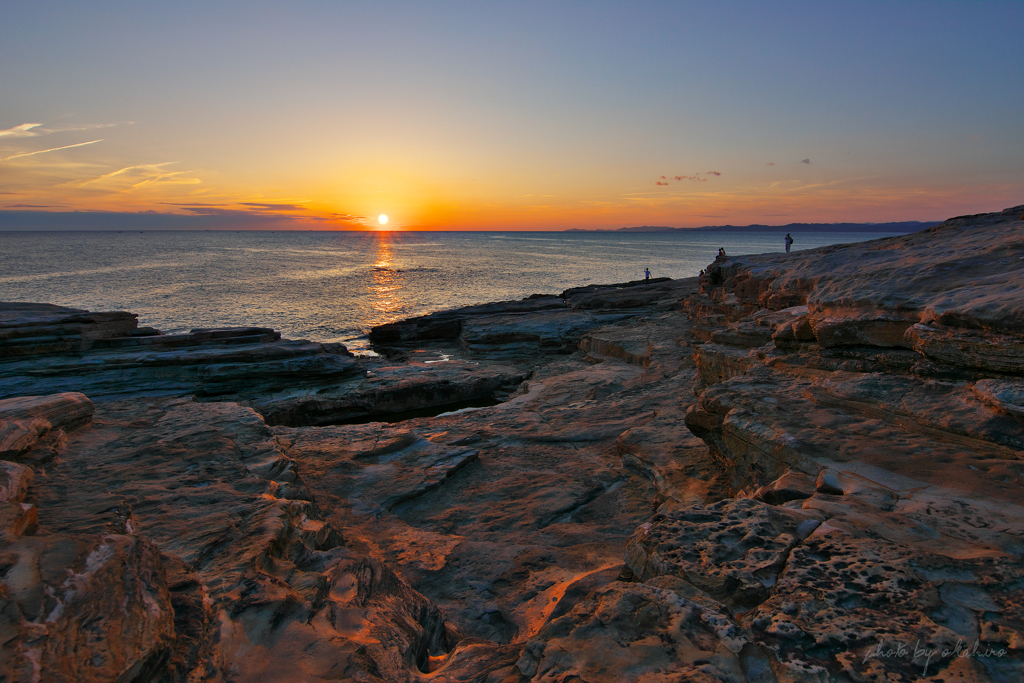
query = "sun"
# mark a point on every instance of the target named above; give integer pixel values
(382, 219)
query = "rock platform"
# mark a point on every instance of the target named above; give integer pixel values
(798, 467)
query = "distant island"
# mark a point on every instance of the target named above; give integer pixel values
(902, 226)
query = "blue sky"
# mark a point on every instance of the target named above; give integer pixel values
(514, 115)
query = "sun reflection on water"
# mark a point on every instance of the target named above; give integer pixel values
(387, 284)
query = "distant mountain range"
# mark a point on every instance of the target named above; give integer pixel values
(902, 226)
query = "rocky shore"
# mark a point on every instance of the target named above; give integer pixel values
(798, 467)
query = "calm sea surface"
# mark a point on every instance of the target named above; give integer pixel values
(336, 286)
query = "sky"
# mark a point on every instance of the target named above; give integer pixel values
(507, 116)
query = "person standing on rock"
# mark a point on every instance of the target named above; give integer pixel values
(647, 273)
(789, 242)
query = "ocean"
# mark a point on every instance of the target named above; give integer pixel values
(335, 286)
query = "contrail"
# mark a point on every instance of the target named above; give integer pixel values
(53, 149)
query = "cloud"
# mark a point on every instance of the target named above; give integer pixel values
(27, 130)
(805, 161)
(52, 149)
(32, 206)
(126, 169)
(695, 178)
(661, 183)
(206, 219)
(205, 210)
(274, 207)
(347, 217)
(22, 131)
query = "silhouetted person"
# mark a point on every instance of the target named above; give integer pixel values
(647, 273)
(789, 242)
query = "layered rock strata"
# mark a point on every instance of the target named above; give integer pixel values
(762, 476)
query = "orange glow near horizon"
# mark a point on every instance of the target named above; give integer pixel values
(678, 115)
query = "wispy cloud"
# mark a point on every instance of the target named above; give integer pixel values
(695, 178)
(190, 204)
(347, 217)
(201, 210)
(121, 171)
(161, 177)
(28, 130)
(22, 131)
(52, 149)
(274, 207)
(33, 206)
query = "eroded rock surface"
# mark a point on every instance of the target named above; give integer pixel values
(811, 469)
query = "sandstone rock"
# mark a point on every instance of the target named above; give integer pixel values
(448, 324)
(845, 481)
(83, 608)
(547, 324)
(221, 500)
(717, 363)
(18, 518)
(653, 294)
(391, 391)
(210, 368)
(67, 410)
(1007, 395)
(542, 508)
(14, 481)
(972, 349)
(964, 273)
(28, 329)
(733, 550)
(17, 436)
(792, 485)
(849, 606)
(660, 630)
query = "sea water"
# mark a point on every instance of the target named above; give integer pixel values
(335, 286)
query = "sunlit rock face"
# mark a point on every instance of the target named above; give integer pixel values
(942, 291)
(803, 467)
